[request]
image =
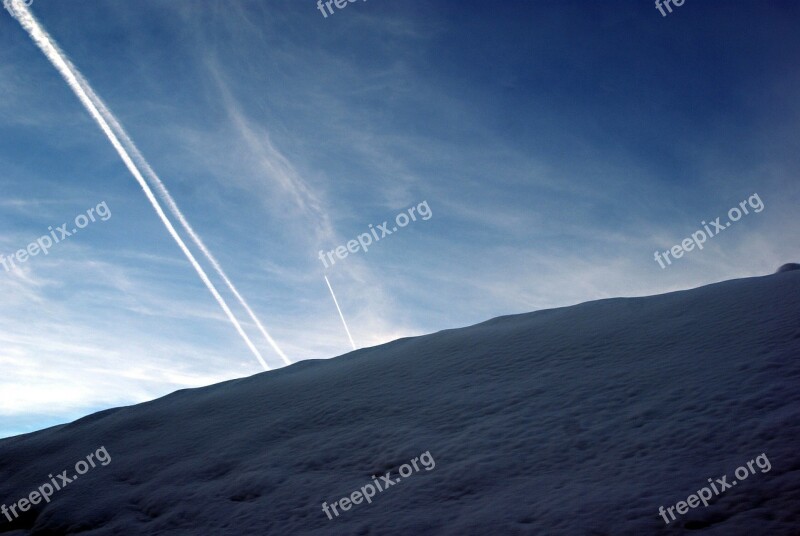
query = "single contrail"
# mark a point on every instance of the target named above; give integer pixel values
(43, 40)
(340, 313)
(167, 198)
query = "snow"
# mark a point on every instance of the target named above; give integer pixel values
(578, 420)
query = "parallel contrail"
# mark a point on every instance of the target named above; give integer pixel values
(43, 40)
(166, 197)
(340, 313)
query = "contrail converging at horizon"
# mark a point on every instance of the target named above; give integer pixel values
(335, 301)
(161, 189)
(105, 120)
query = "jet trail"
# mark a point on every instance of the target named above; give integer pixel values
(340, 313)
(43, 40)
(166, 197)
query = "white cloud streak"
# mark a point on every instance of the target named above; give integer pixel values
(335, 301)
(43, 40)
(162, 191)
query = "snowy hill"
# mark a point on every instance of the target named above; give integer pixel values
(579, 420)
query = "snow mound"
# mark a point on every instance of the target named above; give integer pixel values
(788, 267)
(570, 421)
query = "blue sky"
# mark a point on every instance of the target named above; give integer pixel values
(557, 144)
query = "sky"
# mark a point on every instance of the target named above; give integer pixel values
(557, 146)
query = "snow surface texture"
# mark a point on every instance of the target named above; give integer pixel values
(578, 420)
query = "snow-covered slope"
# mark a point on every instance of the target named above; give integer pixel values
(579, 420)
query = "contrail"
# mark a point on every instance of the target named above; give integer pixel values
(43, 40)
(162, 191)
(340, 313)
